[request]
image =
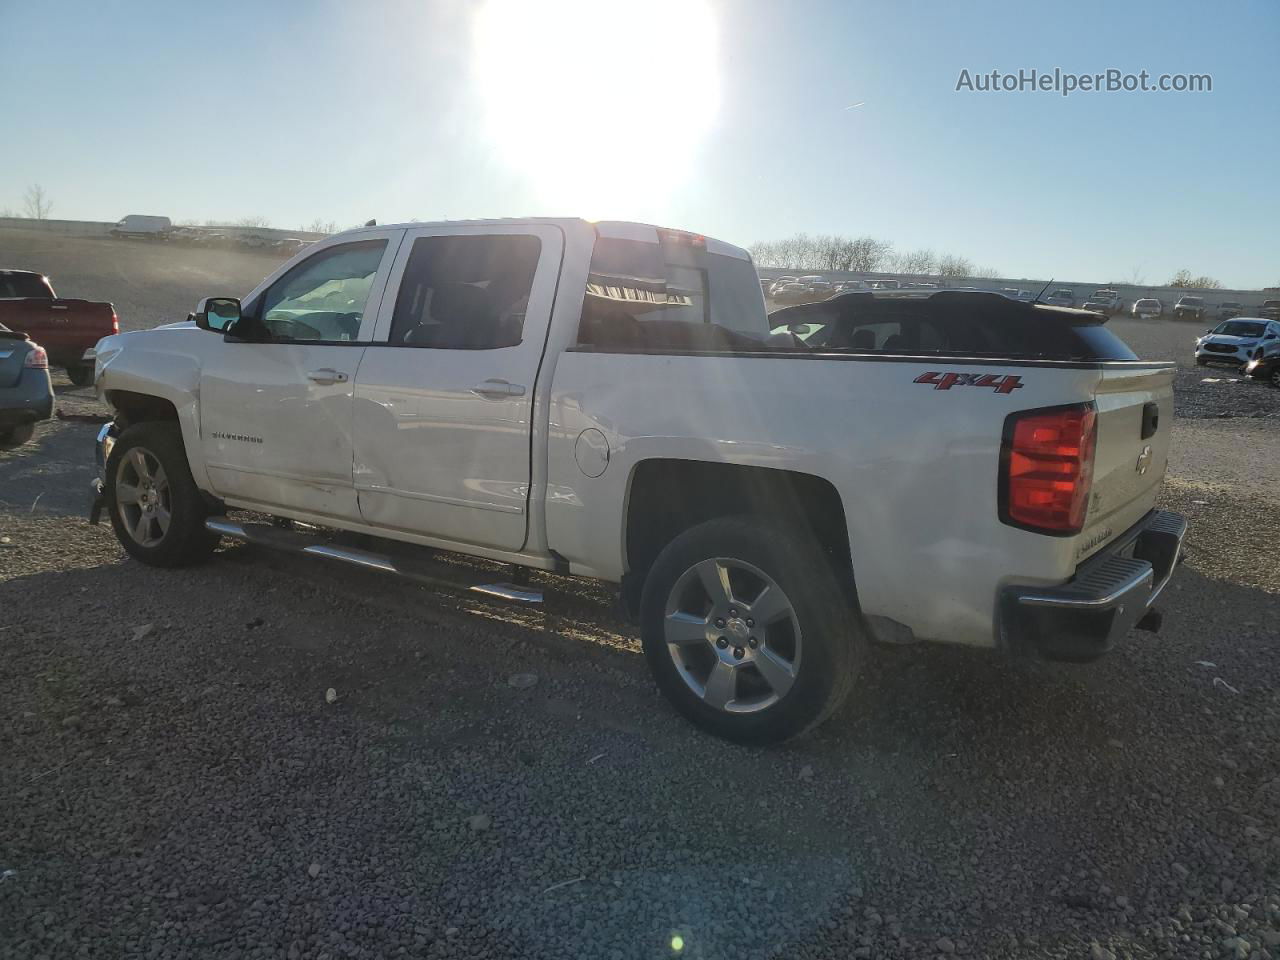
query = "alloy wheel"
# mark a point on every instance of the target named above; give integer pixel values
(733, 635)
(143, 497)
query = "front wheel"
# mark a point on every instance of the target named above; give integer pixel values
(156, 509)
(747, 630)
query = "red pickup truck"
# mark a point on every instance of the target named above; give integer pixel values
(67, 329)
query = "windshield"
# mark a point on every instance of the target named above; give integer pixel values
(1240, 328)
(1191, 301)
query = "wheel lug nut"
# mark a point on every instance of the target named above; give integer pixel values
(733, 612)
(753, 643)
(722, 643)
(720, 622)
(737, 653)
(750, 622)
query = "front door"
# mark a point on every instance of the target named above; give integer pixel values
(444, 398)
(276, 394)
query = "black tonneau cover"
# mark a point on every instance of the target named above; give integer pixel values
(948, 323)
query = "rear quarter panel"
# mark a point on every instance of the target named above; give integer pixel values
(916, 466)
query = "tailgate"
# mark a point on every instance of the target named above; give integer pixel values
(1135, 420)
(77, 324)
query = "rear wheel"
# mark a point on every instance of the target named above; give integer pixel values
(81, 375)
(1273, 377)
(156, 509)
(13, 437)
(747, 630)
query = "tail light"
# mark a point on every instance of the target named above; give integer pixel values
(115, 322)
(1046, 468)
(37, 358)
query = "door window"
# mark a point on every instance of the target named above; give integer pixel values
(465, 292)
(323, 298)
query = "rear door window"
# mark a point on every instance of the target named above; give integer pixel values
(465, 292)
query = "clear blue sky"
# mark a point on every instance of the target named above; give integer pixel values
(346, 111)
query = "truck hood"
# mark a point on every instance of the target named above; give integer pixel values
(1229, 341)
(177, 325)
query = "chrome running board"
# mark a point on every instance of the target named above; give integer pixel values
(290, 541)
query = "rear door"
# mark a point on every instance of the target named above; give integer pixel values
(1135, 421)
(444, 396)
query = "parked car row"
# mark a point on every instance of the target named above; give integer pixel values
(138, 226)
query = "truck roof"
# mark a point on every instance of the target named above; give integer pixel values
(612, 229)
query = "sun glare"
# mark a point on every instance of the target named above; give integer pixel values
(602, 106)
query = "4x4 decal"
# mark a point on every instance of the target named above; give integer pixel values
(945, 381)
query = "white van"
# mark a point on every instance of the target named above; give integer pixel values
(140, 225)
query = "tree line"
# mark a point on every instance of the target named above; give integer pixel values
(833, 253)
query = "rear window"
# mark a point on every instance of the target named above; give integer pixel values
(950, 327)
(670, 297)
(18, 285)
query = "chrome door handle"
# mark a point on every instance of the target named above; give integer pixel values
(327, 375)
(497, 390)
(59, 306)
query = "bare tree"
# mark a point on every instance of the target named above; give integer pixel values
(320, 226)
(1183, 278)
(252, 222)
(920, 261)
(8, 213)
(950, 265)
(36, 202)
(986, 273)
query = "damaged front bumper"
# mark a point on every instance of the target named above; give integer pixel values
(1111, 592)
(97, 487)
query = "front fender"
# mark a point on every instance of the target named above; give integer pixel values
(157, 363)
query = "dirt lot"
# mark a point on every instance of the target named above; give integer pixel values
(175, 784)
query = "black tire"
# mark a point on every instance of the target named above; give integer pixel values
(826, 663)
(1201, 362)
(81, 375)
(185, 540)
(11, 438)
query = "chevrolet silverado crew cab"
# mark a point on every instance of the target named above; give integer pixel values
(67, 329)
(607, 400)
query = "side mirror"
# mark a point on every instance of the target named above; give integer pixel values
(217, 313)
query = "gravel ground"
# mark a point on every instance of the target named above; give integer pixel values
(174, 781)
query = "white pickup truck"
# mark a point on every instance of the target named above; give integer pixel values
(606, 400)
